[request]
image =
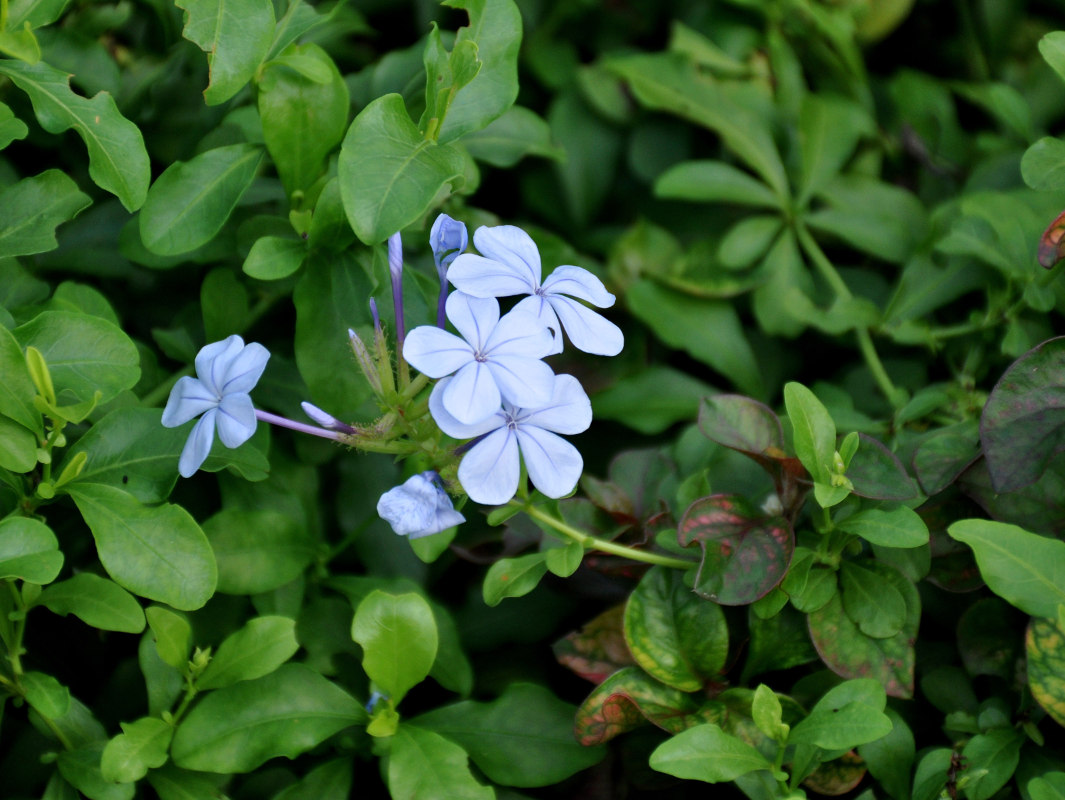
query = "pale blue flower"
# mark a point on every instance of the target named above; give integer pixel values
(419, 507)
(495, 359)
(510, 265)
(225, 372)
(490, 469)
(448, 238)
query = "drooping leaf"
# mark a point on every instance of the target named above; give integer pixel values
(523, 738)
(745, 552)
(676, 636)
(158, 552)
(118, 160)
(235, 35)
(285, 713)
(190, 202)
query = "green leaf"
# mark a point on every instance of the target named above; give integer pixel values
(1043, 164)
(1052, 48)
(998, 752)
(890, 758)
(813, 431)
(745, 552)
(257, 551)
(564, 561)
(830, 128)
(679, 638)
(877, 473)
(81, 768)
(303, 119)
(423, 765)
(1023, 423)
(513, 577)
(190, 202)
(96, 601)
(142, 745)
(523, 738)
(257, 649)
(235, 34)
(36, 207)
(495, 29)
(870, 600)
(707, 753)
(29, 551)
(118, 161)
(510, 138)
(767, 714)
(898, 527)
(37, 12)
(748, 240)
(1023, 568)
(329, 781)
(708, 330)
(1048, 786)
(399, 640)
(16, 389)
(713, 182)
(285, 713)
(389, 174)
(85, 354)
(273, 257)
(130, 449)
(18, 447)
(46, 695)
(850, 653)
(1045, 648)
(173, 783)
(848, 715)
(172, 634)
(158, 552)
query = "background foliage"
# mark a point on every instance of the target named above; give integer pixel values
(838, 404)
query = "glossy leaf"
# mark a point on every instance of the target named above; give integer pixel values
(190, 202)
(257, 551)
(29, 551)
(424, 765)
(523, 738)
(1023, 568)
(257, 649)
(676, 636)
(1023, 423)
(235, 35)
(1045, 647)
(389, 173)
(118, 160)
(158, 552)
(96, 601)
(850, 653)
(627, 699)
(745, 552)
(285, 713)
(707, 753)
(399, 640)
(36, 207)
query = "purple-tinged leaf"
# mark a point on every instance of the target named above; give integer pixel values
(625, 701)
(877, 473)
(745, 552)
(850, 653)
(944, 455)
(1023, 423)
(1038, 507)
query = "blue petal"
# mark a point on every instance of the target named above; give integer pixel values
(523, 382)
(489, 471)
(473, 317)
(213, 361)
(486, 277)
(188, 399)
(472, 395)
(245, 370)
(418, 507)
(587, 330)
(198, 445)
(554, 464)
(519, 334)
(580, 283)
(451, 426)
(569, 411)
(434, 352)
(235, 420)
(511, 246)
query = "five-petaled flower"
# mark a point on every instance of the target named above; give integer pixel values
(510, 265)
(226, 371)
(419, 507)
(496, 358)
(490, 469)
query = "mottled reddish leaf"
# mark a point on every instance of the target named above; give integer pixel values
(838, 776)
(745, 552)
(1045, 644)
(877, 473)
(850, 653)
(626, 700)
(1052, 242)
(598, 649)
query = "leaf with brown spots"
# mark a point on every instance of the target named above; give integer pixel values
(626, 700)
(598, 649)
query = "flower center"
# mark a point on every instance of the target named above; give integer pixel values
(479, 356)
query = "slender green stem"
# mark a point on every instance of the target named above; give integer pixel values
(865, 340)
(595, 543)
(15, 652)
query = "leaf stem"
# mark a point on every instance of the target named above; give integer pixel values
(594, 543)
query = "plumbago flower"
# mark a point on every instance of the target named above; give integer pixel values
(510, 265)
(490, 469)
(419, 507)
(495, 358)
(226, 372)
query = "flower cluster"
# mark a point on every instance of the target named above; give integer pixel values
(493, 388)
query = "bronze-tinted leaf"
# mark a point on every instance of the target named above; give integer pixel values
(598, 649)
(626, 700)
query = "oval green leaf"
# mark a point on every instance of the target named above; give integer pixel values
(399, 640)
